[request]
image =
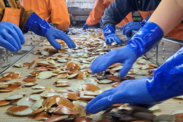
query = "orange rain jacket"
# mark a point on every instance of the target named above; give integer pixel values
(54, 11)
(98, 10)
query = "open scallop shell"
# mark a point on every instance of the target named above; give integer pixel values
(4, 102)
(73, 66)
(35, 97)
(62, 83)
(63, 110)
(45, 75)
(30, 79)
(105, 81)
(38, 87)
(14, 97)
(19, 110)
(4, 79)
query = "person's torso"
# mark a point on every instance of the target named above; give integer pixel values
(39, 6)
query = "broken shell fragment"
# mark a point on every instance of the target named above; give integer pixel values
(31, 64)
(45, 75)
(72, 95)
(41, 116)
(18, 65)
(26, 64)
(4, 102)
(30, 79)
(113, 78)
(62, 83)
(19, 110)
(83, 119)
(72, 75)
(82, 75)
(89, 87)
(63, 110)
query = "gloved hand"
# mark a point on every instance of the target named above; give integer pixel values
(85, 26)
(129, 27)
(11, 37)
(148, 36)
(110, 35)
(42, 28)
(166, 83)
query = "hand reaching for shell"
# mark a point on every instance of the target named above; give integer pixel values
(123, 55)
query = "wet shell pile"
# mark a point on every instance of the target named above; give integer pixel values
(63, 67)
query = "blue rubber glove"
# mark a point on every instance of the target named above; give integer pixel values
(129, 27)
(166, 83)
(147, 37)
(110, 36)
(42, 28)
(85, 26)
(11, 37)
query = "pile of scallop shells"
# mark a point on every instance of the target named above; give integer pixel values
(51, 105)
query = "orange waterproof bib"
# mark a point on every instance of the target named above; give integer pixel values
(11, 15)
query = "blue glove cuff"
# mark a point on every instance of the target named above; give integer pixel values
(167, 81)
(147, 37)
(108, 30)
(37, 25)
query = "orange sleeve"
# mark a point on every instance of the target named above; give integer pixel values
(59, 14)
(126, 20)
(97, 12)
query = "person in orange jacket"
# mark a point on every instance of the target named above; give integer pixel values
(54, 11)
(15, 19)
(98, 11)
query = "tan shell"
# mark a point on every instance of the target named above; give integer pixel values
(37, 92)
(29, 84)
(45, 75)
(61, 76)
(89, 87)
(63, 110)
(72, 95)
(113, 78)
(82, 75)
(4, 102)
(37, 111)
(19, 110)
(83, 119)
(73, 66)
(30, 79)
(41, 116)
(62, 83)
(31, 64)
(14, 97)
(5, 79)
